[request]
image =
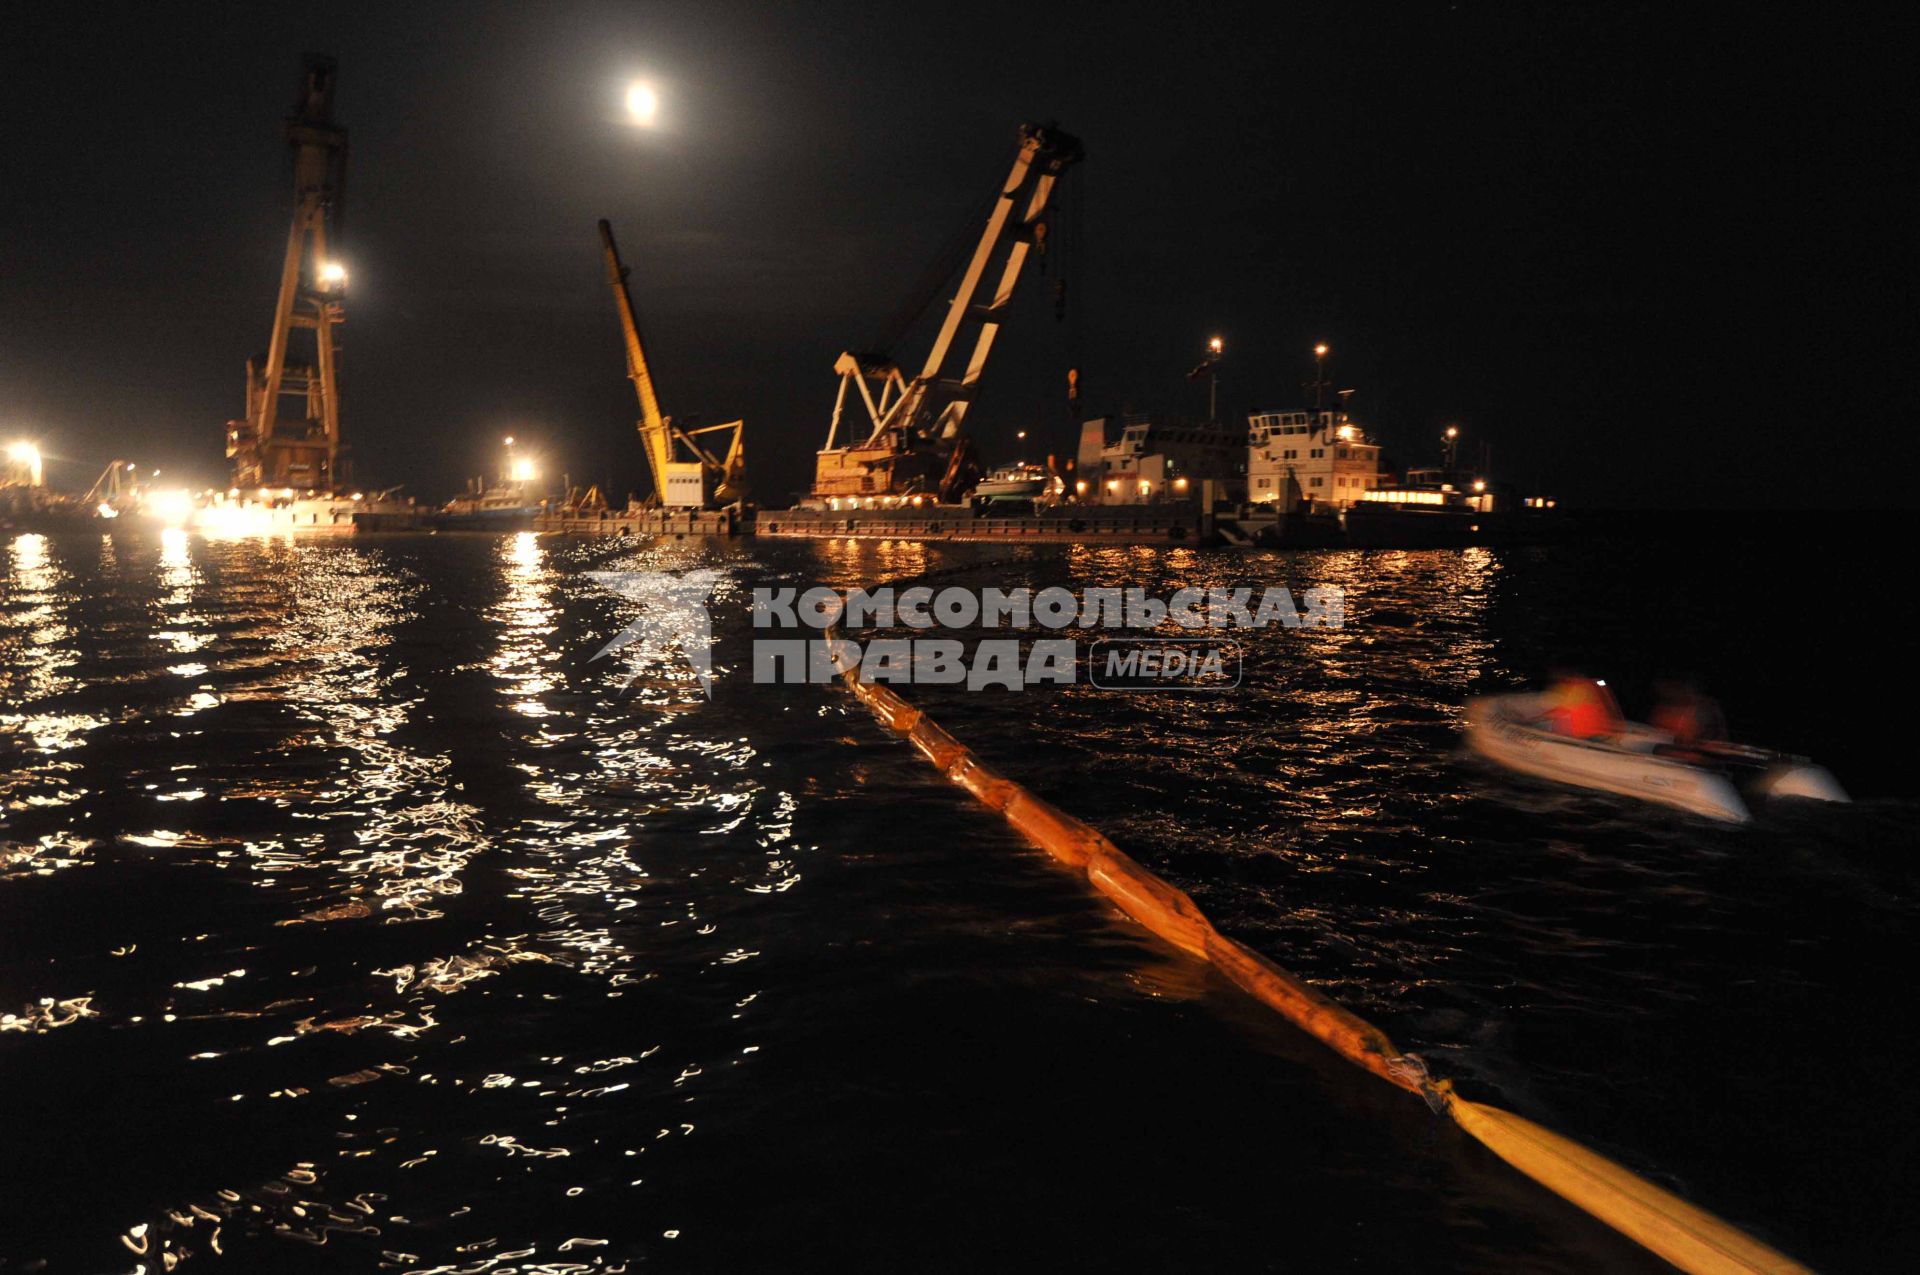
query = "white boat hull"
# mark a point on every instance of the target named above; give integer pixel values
(1500, 728)
(1814, 783)
(1506, 729)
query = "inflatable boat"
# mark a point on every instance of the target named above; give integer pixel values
(1641, 762)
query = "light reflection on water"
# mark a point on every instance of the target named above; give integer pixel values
(321, 701)
(403, 933)
(525, 620)
(37, 649)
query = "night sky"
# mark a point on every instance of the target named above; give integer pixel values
(1647, 258)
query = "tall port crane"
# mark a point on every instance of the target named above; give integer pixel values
(686, 473)
(914, 441)
(305, 452)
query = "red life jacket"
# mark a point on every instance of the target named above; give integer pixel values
(1586, 710)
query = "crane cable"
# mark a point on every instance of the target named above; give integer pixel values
(939, 271)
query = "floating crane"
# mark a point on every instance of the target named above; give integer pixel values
(117, 489)
(304, 453)
(914, 444)
(686, 473)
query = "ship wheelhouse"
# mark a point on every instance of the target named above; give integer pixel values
(1320, 455)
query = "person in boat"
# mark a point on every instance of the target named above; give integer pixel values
(1583, 708)
(1692, 718)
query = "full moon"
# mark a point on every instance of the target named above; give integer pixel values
(642, 104)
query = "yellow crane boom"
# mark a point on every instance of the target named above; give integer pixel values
(703, 478)
(653, 426)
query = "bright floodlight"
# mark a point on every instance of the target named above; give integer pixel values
(171, 507)
(1320, 351)
(1216, 345)
(332, 274)
(643, 104)
(24, 460)
(1453, 431)
(523, 471)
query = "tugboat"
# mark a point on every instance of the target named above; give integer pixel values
(510, 503)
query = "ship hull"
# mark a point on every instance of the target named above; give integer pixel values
(520, 519)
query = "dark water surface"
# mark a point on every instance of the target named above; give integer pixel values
(353, 918)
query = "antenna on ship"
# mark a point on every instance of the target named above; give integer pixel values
(1319, 382)
(1216, 347)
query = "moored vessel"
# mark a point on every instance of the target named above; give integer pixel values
(510, 502)
(1020, 481)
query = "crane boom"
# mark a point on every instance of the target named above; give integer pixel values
(654, 435)
(1044, 154)
(703, 477)
(915, 442)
